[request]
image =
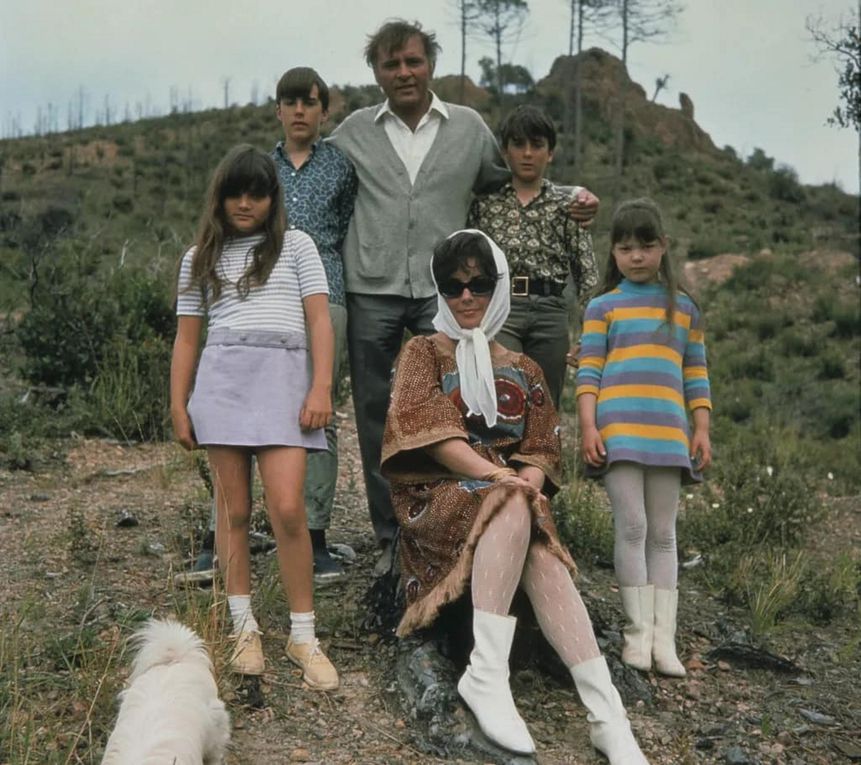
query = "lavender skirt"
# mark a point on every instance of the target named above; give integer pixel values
(249, 389)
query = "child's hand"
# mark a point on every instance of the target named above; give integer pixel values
(572, 357)
(183, 431)
(701, 449)
(316, 411)
(593, 447)
(584, 207)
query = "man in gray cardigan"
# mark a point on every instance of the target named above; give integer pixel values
(419, 161)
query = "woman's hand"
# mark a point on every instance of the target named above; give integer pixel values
(316, 411)
(183, 431)
(593, 447)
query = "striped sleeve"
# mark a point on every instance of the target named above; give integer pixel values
(309, 267)
(694, 368)
(189, 302)
(593, 349)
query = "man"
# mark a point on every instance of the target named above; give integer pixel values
(319, 189)
(419, 161)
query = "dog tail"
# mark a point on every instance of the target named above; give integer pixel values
(164, 642)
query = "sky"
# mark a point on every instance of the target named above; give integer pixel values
(748, 65)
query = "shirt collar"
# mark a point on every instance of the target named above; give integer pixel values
(436, 105)
(282, 151)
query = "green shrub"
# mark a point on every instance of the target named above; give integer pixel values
(584, 523)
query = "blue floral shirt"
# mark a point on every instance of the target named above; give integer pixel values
(319, 200)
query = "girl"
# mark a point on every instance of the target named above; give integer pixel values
(257, 286)
(642, 363)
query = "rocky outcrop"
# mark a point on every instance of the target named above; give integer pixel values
(601, 76)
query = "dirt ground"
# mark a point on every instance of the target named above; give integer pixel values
(64, 561)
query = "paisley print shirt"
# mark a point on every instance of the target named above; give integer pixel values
(319, 200)
(539, 239)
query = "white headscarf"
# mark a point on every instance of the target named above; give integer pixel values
(474, 366)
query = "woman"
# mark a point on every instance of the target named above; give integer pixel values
(472, 450)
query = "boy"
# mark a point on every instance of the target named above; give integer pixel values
(319, 191)
(529, 219)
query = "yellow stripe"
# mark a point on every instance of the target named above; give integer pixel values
(699, 403)
(592, 362)
(695, 373)
(660, 314)
(657, 432)
(586, 389)
(644, 351)
(696, 336)
(595, 326)
(642, 391)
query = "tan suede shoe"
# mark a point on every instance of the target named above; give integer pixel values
(247, 657)
(317, 670)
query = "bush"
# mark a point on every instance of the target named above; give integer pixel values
(584, 523)
(78, 315)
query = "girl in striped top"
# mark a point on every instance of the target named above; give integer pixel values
(642, 369)
(260, 290)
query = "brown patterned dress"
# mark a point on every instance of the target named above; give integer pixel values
(442, 515)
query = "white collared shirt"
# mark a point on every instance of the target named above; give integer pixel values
(412, 146)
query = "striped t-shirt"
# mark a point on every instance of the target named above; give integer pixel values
(275, 306)
(644, 375)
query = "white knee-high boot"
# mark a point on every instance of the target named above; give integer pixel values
(484, 685)
(638, 603)
(609, 729)
(664, 641)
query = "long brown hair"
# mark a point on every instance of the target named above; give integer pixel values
(244, 169)
(641, 219)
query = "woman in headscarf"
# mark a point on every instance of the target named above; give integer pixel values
(472, 451)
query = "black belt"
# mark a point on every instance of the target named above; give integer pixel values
(521, 286)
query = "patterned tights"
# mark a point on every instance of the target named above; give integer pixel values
(506, 557)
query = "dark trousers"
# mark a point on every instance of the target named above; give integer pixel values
(375, 332)
(537, 326)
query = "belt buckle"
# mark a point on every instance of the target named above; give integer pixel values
(520, 286)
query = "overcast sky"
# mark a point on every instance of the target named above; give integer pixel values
(747, 65)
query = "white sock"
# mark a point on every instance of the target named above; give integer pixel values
(302, 627)
(240, 613)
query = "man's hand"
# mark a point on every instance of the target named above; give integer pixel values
(584, 207)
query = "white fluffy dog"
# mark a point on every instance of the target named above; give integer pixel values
(170, 713)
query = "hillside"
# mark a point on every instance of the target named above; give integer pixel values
(133, 190)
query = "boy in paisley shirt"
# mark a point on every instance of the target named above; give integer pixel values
(529, 219)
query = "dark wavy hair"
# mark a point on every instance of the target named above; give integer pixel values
(394, 35)
(641, 219)
(527, 122)
(244, 169)
(456, 251)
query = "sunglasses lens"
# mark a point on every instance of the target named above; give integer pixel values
(480, 285)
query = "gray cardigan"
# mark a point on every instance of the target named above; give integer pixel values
(395, 225)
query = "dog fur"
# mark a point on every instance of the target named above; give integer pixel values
(170, 713)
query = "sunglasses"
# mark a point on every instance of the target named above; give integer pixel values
(478, 286)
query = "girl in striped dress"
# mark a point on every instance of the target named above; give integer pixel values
(642, 371)
(259, 289)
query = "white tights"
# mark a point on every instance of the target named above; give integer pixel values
(506, 557)
(645, 502)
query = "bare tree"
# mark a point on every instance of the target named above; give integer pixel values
(225, 83)
(842, 42)
(502, 21)
(641, 21)
(660, 84)
(583, 13)
(466, 14)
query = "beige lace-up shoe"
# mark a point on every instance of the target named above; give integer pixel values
(247, 656)
(317, 670)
